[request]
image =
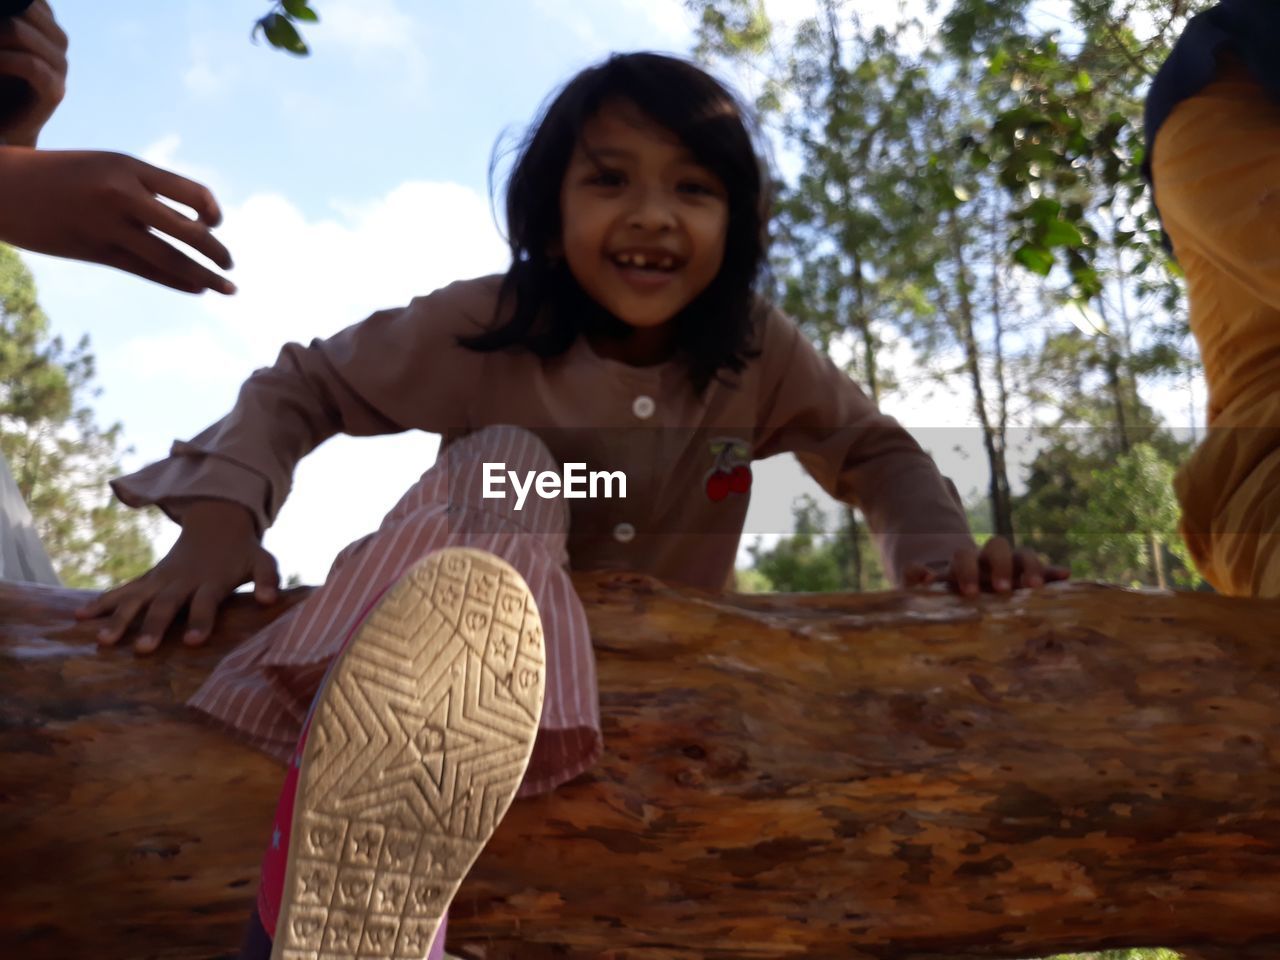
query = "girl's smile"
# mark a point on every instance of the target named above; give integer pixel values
(644, 223)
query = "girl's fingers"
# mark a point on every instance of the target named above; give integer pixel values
(163, 611)
(126, 610)
(997, 558)
(964, 572)
(1055, 573)
(187, 192)
(204, 608)
(102, 604)
(127, 260)
(266, 578)
(1028, 569)
(164, 260)
(191, 232)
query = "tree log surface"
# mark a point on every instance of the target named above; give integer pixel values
(884, 775)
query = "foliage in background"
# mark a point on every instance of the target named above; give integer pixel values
(972, 186)
(1099, 491)
(813, 560)
(1070, 141)
(60, 457)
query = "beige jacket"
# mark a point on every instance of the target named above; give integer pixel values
(402, 369)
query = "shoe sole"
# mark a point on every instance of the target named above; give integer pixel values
(418, 742)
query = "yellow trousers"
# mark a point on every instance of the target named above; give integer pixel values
(1216, 170)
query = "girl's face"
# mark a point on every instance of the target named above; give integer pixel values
(644, 222)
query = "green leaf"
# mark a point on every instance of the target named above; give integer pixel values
(1036, 259)
(1044, 209)
(281, 33)
(1060, 233)
(998, 62)
(299, 10)
(1084, 82)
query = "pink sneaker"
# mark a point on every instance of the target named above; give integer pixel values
(416, 745)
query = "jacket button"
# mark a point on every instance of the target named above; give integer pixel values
(624, 533)
(643, 407)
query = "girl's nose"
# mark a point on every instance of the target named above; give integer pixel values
(652, 211)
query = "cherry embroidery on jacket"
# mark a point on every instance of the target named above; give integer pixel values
(732, 470)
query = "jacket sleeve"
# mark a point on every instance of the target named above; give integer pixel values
(856, 453)
(397, 370)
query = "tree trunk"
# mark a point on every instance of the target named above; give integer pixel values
(853, 529)
(876, 776)
(963, 325)
(1157, 556)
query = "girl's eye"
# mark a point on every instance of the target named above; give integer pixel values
(697, 188)
(605, 178)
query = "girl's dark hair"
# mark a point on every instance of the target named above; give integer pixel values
(545, 308)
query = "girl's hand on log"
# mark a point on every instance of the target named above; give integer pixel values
(217, 551)
(996, 568)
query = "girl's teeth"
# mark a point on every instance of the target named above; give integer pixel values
(644, 262)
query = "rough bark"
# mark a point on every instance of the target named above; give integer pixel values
(886, 775)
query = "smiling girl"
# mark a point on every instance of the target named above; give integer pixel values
(626, 335)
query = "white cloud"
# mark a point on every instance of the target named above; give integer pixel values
(299, 278)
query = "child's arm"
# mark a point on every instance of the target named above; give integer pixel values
(398, 370)
(865, 458)
(106, 208)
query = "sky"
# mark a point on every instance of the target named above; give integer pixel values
(351, 181)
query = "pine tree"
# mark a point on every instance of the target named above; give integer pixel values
(59, 455)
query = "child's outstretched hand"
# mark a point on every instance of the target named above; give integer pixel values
(106, 208)
(217, 551)
(996, 568)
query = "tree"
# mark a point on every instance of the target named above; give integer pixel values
(840, 223)
(1135, 516)
(1070, 141)
(811, 560)
(871, 232)
(967, 296)
(60, 457)
(1101, 486)
(776, 762)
